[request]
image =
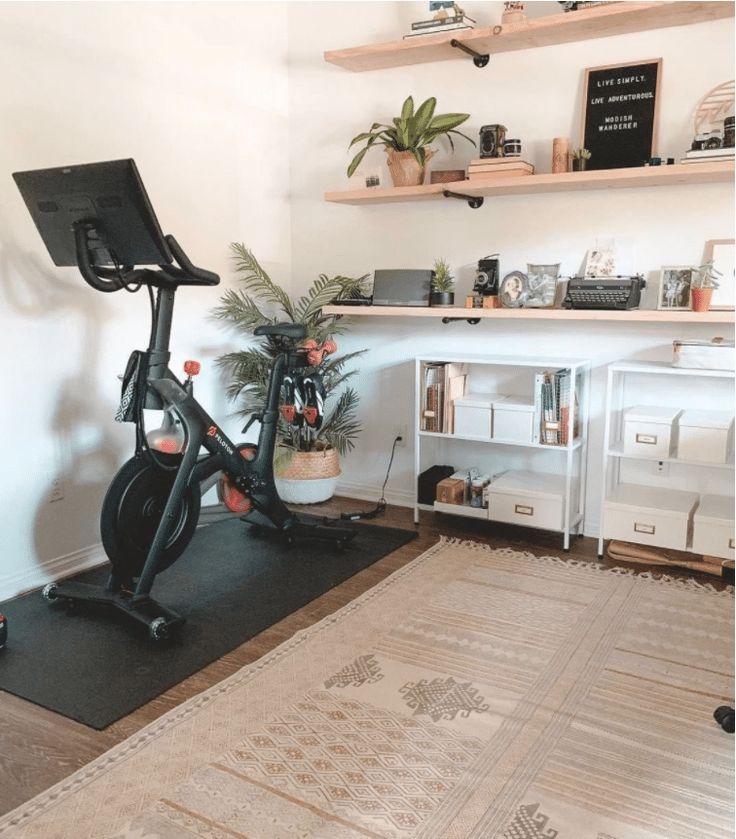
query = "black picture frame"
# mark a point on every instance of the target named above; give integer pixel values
(620, 113)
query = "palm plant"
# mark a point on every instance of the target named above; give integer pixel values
(262, 301)
(410, 132)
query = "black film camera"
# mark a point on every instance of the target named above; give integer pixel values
(492, 138)
(486, 277)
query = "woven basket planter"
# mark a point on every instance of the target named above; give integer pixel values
(309, 477)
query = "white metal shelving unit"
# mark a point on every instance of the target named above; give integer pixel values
(575, 450)
(613, 452)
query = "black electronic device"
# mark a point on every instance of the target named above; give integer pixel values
(604, 292)
(486, 277)
(492, 138)
(111, 196)
(402, 286)
(352, 301)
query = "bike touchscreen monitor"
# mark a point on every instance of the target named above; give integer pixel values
(109, 194)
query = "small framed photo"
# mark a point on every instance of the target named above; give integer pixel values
(600, 262)
(513, 290)
(541, 285)
(721, 251)
(675, 282)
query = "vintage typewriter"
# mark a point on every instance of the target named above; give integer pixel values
(604, 292)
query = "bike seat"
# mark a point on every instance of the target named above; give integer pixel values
(282, 330)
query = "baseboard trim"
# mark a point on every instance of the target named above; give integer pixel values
(52, 569)
(361, 492)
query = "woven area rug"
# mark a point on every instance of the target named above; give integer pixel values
(474, 694)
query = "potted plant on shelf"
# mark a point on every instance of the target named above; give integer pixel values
(703, 283)
(443, 285)
(307, 460)
(580, 158)
(407, 141)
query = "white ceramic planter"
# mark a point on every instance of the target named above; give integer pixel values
(306, 491)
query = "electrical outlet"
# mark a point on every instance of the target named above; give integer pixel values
(403, 432)
(56, 490)
(661, 468)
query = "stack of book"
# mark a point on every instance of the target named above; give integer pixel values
(451, 23)
(442, 383)
(498, 167)
(708, 155)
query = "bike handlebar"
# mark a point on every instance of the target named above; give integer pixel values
(113, 279)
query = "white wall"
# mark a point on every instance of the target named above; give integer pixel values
(238, 127)
(537, 95)
(197, 93)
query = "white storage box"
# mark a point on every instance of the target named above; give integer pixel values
(532, 499)
(648, 431)
(704, 436)
(513, 419)
(473, 414)
(713, 527)
(703, 355)
(649, 515)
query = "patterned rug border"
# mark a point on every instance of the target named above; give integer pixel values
(159, 727)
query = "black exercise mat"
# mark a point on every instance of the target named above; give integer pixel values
(230, 585)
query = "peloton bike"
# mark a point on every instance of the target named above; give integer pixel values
(98, 217)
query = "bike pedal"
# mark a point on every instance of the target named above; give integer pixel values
(288, 412)
(311, 415)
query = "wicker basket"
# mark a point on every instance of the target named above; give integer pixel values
(309, 477)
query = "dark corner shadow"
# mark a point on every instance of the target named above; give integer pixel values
(88, 454)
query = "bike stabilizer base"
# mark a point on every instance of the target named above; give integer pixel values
(158, 620)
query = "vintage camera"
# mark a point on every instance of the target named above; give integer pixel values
(492, 138)
(486, 277)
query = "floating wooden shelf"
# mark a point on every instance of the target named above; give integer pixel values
(632, 316)
(679, 173)
(596, 22)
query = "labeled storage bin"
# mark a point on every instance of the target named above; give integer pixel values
(705, 436)
(649, 431)
(532, 499)
(473, 414)
(513, 419)
(650, 516)
(713, 527)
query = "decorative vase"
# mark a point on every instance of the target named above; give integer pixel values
(560, 155)
(442, 298)
(700, 299)
(309, 477)
(405, 169)
(579, 164)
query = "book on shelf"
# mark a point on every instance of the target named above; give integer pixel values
(497, 174)
(698, 154)
(498, 162)
(711, 159)
(439, 22)
(452, 27)
(441, 384)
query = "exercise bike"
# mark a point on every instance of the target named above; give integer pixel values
(98, 218)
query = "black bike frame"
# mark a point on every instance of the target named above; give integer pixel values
(254, 477)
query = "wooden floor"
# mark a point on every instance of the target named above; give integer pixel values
(39, 748)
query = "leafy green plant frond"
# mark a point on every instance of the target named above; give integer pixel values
(411, 131)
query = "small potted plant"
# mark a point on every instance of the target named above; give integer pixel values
(580, 158)
(407, 140)
(703, 283)
(443, 285)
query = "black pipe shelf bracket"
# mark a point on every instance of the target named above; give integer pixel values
(474, 201)
(471, 321)
(479, 59)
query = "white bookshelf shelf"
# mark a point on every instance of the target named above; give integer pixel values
(617, 450)
(495, 441)
(569, 480)
(613, 489)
